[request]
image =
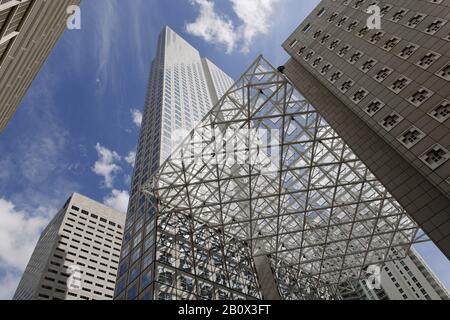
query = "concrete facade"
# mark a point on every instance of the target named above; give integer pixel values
(386, 93)
(77, 255)
(29, 29)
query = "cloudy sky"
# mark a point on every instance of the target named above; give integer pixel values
(77, 128)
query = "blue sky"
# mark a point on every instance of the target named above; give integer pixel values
(78, 125)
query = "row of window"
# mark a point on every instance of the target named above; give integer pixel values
(94, 216)
(413, 21)
(433, 157)
(82, 226)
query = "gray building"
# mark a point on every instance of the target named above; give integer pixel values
(77, 255)
(386, 92)
(182, 88)
(29, 29)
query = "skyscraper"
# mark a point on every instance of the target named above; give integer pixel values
(386, 93)
(28, 31)
(183, 87)
(406, 279)
(411, 279)
(77, 255)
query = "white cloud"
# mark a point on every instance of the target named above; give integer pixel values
(19, 233)
(118, 200)
(137, 117)
(105, 166)
(212, 27)
(131, 158)
(254, 15)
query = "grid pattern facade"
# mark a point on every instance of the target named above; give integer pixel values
(394, 82)
(77, 255)
(411, 279)
(28, 31)
(319, 214)
(183, 87)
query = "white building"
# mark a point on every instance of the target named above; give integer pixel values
(183, 87)
(406, 279)
(77, 254)
(412, 279)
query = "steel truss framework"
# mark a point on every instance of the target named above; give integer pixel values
(321, 216)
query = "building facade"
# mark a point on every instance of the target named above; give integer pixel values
(411, 279)
(29, 29)
(77, 255)
(386, 92)
(182, 88)
(404, 279)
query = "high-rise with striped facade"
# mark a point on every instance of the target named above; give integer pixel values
(183, 87)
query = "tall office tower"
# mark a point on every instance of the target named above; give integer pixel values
(29, 30)
(77, 255)
(411, 279)
(386, 92)
(265, 200)
(183, 87)
(406, 279)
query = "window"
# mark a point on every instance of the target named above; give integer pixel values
(321, 12)
(411, 137)
(346, 85)
(335, 77)
(383, 74)
(444, 73)
(435, 157)
(293, 43)
(435, 26)
(166, 277)
(307, 27)
(376, 37)
(368, 65)
(400, 84)
(334, 44)
(426, 61)
(186, 284)
(325, 69)
(391, 43)
(399, 15)
(408, 51)
(441, 112)
(359, 95)
(374, 107)
(132, 292)
(332, 17)
(414, 21)
(146, 279)
(391, 121)
(363, 32)
(355, 57)
(420, 97)
(344, 50)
